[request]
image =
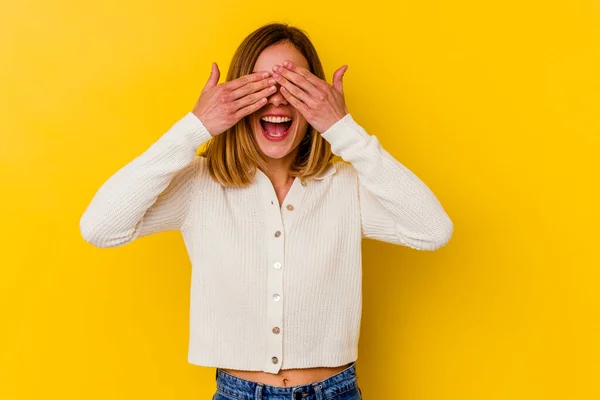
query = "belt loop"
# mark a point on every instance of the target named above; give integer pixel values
(319, 392)
(258, 393)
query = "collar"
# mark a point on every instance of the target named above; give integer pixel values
(330, 170)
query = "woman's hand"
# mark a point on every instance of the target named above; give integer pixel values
(321, 104)
(221, 106)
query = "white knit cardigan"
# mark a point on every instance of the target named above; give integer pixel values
(273, 287)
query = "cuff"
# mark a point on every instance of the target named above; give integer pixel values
(345, 134)
(192, 124)
(189, 131)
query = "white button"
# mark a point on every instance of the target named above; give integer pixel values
(274, 360)
(277, 233)
(276, 297)
(276, 330)
(277, 265)
(290, 207)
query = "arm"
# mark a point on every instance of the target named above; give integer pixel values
(149, 194)
(396, 206)
(153, 192)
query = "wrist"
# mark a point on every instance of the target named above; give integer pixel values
(201, 118)
(335, 121)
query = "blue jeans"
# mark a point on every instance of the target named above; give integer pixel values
(341, 386)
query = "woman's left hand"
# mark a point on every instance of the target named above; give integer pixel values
(321, 104)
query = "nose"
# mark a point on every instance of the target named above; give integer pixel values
(277, 98)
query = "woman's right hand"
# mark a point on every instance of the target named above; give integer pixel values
(221, 106)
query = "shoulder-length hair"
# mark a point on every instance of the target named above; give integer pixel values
(233, 156)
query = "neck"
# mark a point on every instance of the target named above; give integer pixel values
(278, 170)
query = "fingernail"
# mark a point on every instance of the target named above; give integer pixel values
(265, 74)
(287, 63)
(276, 68)
(276, 76)
(272, 88)
(272, 82)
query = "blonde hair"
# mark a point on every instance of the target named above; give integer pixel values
(233, 156)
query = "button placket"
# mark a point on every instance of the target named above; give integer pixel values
(275, 236)
(275, 295)
(278, 224)
(292, 202)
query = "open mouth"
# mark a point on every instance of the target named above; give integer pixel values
(275, 128)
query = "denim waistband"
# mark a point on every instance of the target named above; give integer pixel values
(243, 389)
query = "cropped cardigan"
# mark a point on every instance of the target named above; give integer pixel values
(273, 286)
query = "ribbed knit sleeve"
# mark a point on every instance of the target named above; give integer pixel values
(149, 194)
(396, 206)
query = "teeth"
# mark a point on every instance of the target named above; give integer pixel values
(276, 120)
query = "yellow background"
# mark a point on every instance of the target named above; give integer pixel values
(494, 104)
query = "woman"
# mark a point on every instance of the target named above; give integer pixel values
(272, 224)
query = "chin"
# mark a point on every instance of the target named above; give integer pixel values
(275, 150)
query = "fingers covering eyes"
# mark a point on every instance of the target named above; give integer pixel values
(294, 101)
(246, 79)
(298, 80)
(306, 74)
(249, 109)
(252, 88)
(253, 97)
(295, 90)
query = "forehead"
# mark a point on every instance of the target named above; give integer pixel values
(276, 54)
